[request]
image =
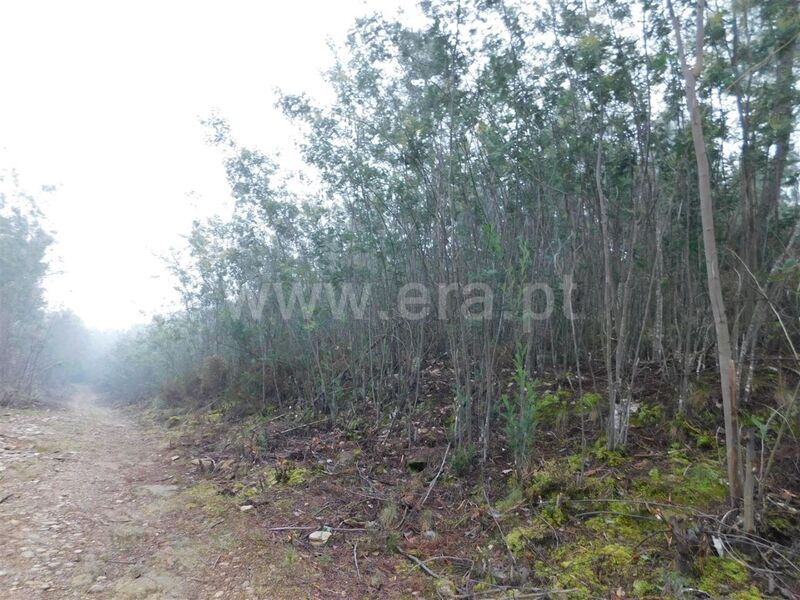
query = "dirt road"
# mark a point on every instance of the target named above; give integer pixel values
(92, 506)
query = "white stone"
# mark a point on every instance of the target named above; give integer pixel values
(319, 538)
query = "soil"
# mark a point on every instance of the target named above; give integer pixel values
(95, 505)
(156, 502)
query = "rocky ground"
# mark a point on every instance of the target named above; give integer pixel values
(92, 505)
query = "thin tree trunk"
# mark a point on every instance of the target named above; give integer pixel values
(608, 297)
(727, 366)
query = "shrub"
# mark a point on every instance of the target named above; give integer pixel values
(171, 393)
(462, 460)
(213, 377)
(521, 414)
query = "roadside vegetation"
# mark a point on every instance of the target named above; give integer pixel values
(590, 390)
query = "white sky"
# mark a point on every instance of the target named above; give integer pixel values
(104, 99)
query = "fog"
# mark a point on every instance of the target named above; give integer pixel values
(104, 100)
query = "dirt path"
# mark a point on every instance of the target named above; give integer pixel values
(91, 506)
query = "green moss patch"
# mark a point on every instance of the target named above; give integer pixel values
(693, 482)
(514, 499)
(727, 578)
(554, 477)
(287, 476)
(612, 458)
(537, 532)
(593, 569)
(205, 495)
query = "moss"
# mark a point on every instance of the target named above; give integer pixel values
(779, 523)
(514, 499)
(612, 458)
(551, 479)
(616, 556)
(702, 485)
(591, 571)
(628, 530)
(643, 588)
(751, 593)
(657, 486)
(564, 394)
(247, 492)
(518, 538)
(610, 551)
(719, 571)
(574, 463)
(554, 515)
(286, 475)
(173, 422)
(695, 482)
(783, 522)
(683, 428)
(705, 442)
(445, 588)
(297, 476)
(728, 578)
(206, 495)
(214, 416)
(599, 487)
(548, 406)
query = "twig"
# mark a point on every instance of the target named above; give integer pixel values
(552, 528)
(435, 479)
(450, 558)
(285, 431)
(499, 528)
(370, 496)
(274, 419)
(421, 564)
(403, 520)
(691, 509)
(304, 528)
(617, 514)
(6, 497)
(539, 594)
(645, 538)
(355, 560)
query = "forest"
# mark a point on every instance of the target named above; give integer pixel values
(526, 323)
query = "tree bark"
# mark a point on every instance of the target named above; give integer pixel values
(608, 300)
(726, 363)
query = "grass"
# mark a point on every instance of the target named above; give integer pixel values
(205, 495)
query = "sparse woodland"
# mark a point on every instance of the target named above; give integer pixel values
(40, 349)
(640, 159)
